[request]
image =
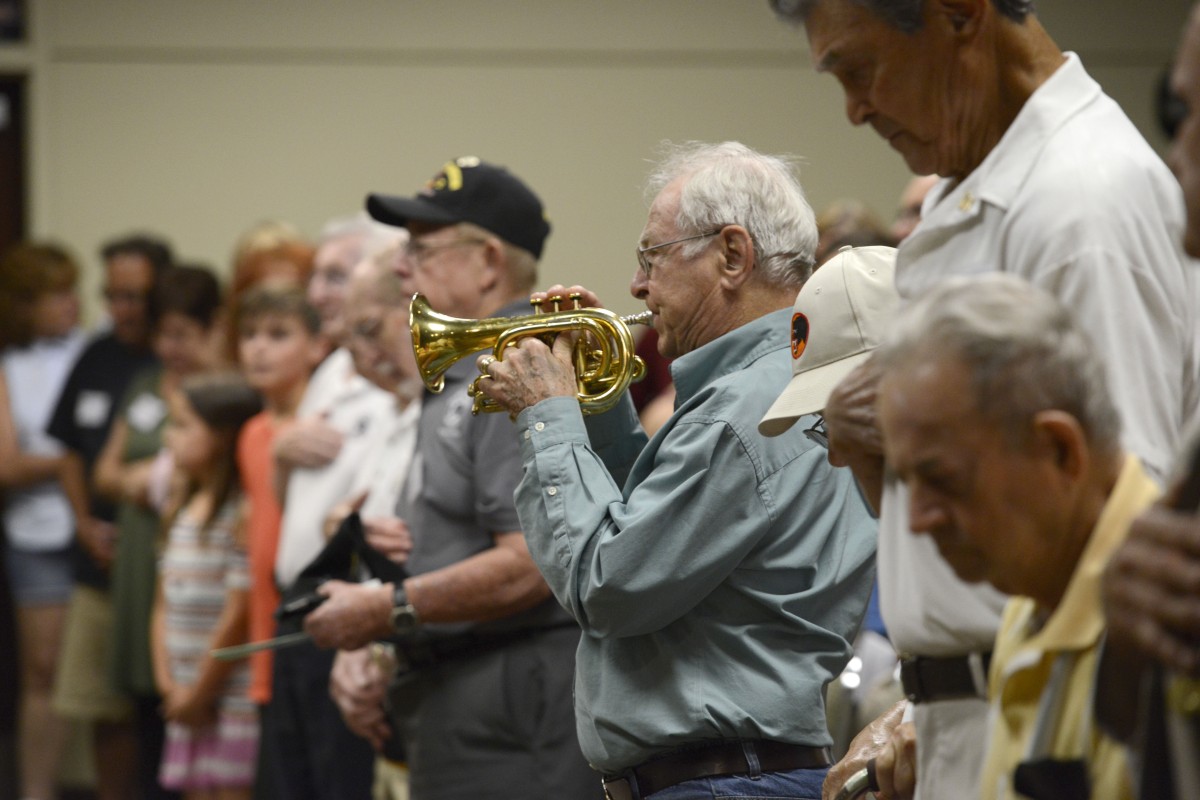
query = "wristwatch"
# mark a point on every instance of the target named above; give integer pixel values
(404, 616)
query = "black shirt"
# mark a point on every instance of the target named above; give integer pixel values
(83, 417)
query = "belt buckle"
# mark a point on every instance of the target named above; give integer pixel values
(619, 789)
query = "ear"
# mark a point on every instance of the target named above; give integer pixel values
(961, 17)
(1060, 438)
(739, 262)
(491, 270)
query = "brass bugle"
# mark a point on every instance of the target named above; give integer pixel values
(605, 363)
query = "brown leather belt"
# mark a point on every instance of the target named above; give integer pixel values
(731, 757)
(927, 680)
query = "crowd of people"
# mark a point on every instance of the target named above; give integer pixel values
(133, 459)
(264, 547)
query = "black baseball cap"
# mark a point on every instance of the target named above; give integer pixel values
(469, 190)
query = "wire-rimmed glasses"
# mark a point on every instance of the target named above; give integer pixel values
(817, 432)
(645, 263)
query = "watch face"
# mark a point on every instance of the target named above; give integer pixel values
(404, 618)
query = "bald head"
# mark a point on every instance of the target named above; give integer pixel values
(377, 321)
(376, 278)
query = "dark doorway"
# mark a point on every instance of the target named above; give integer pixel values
(12, 159)
(12, 21)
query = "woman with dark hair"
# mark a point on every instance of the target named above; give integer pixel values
(135, 472)
(39, 340)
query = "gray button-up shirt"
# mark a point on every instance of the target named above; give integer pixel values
(718, 590)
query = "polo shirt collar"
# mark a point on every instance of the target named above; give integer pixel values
(999, 179)
(1078, 621)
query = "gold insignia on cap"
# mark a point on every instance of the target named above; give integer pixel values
(450, 178)
(453, 177)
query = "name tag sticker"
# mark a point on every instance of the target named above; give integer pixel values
(91, 409)
(146, 412)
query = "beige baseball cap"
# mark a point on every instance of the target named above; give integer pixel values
(842, 313)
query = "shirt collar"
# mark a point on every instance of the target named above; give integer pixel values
(1078, 620)
(999, 178)
(729, 353)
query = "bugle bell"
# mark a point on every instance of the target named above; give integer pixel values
(605, 363)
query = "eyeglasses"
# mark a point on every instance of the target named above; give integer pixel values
(419, 252)
(817, 432)
(645, 262)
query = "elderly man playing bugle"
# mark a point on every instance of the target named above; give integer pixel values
(718, 575)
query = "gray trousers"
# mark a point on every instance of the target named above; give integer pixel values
(497, 725)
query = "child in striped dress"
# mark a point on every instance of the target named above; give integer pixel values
(212, 725)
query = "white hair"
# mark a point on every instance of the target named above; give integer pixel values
(374, 237)
(1024, 350)
(731, 184)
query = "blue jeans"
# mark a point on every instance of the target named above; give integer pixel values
(799, 784)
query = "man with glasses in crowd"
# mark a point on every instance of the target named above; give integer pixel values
(482, 700)
(718, 575)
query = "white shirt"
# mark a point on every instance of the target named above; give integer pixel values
(386, 465)
(1073, 199)
(356, 408)
(38, 517)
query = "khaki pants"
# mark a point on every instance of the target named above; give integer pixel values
(83, 689)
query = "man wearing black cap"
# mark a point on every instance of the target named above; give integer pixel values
(477, 234)
(483, 694)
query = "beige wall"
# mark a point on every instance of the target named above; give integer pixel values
(197, 119)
